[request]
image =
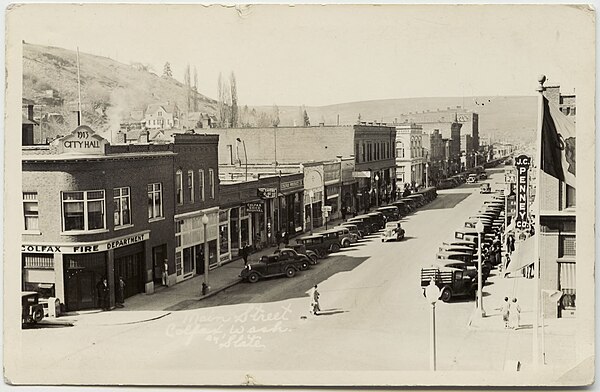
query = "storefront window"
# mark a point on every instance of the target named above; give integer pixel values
(224, 238)
(188, 260)
(212, 252)
(83, 210)
(297, 210)
(235, 228)
(179, 187)
(178, 263)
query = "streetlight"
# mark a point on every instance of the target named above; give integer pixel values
(245, 155)
(432, 294)
(377, 190)
(205, 287)
(427, 175)
(555, 296)
(311, 194)
(479, 228)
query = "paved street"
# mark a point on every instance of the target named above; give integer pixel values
(375, 317)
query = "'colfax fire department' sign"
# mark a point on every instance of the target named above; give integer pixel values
(83, 140)
(92, 247)
(522, 163)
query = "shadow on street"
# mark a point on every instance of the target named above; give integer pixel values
(448, 200)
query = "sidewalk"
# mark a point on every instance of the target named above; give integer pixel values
(147, 307)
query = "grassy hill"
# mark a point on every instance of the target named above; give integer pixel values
(109, 89)
(502, 117)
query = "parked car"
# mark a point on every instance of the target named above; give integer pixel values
(457, 242)
(412, 203)
(485, 188)
(273, 265)
(452, 282)
(466, 257)
(391, 212)
(364, 228)
(371, 223)
(379, 219)
(353, 229)
(32, 310)
(403, 208)
(392, 231)
(342, 234)
(483, 176)
(301, 249)
(419, 199)
(446, 183)
(334, 240)
(456, 248)
(316, 243)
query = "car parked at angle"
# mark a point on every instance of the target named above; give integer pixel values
(301, 249)
(419, 199)
(452, 282)
(378, 218)
(353, 228)
(472, 179)
(446, 183)
(466, 257)
(340, 237)
(315, 243)
(457, 248)
(32, 311)
(403, 208)
(483, 176)
(392, 231)
(430, 193)
(273, 265)
(362, 225)
(392, 213)
(412, 203)
(457, 242)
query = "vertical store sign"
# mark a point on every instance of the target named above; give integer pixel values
(522, 164)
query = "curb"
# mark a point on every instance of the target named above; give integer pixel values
(216, 291)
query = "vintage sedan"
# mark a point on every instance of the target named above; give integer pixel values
(32, 310)
(284, 263)
(393, 231)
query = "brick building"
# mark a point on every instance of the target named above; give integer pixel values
(74, 234)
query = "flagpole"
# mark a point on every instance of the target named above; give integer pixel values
(79, 91)
(536, 210)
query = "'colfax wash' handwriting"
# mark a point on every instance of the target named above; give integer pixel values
(191, 330)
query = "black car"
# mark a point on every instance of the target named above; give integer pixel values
(287, 263)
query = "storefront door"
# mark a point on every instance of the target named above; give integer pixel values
(159, 254)
(130, 267)
(81, 274)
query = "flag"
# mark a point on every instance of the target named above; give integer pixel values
(558, 144)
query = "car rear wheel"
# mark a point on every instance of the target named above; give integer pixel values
(304, 266)
(346, 243)
(253, 277)
(446, 294)
(38, 315)
(290, 272)
(335, 248)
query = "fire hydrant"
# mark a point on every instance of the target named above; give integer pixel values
(204, 289)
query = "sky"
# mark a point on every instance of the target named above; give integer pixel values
(320, 55)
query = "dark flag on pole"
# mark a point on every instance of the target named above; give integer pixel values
(558, 144)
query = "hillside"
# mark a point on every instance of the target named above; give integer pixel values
(109, 89)
(511, 118)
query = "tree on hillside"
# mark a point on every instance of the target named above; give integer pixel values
(275, 119)
(220, 102)
(195, 88)
(234, 101)
(188, 87)
(263, 120)
(167, 73)
(306, 119)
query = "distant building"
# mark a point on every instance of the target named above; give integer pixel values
(30, 128)
(410, 159)
(198, 120)
(162, 116)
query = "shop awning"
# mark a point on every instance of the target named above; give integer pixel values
(523, 255)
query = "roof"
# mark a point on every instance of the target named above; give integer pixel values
(167, 107)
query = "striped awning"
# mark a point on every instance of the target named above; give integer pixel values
(568, 275)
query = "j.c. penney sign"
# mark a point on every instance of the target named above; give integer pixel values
(522, 163)
(86, 247)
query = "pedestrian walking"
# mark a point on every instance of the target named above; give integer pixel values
(511, 244)
(278, 238)
(165, 273)
(505, 311)
(344, 213)
(316, 307)
(121, 292)
(286, 239)
(515, 312)
(244, 250)
(102, 288)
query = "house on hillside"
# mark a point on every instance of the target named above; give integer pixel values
(162, 116)
(198, 120)
(30, 127)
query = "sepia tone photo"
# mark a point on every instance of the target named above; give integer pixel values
(308, 195)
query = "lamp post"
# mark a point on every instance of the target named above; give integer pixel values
(479, 228)
(432, 294)
(553, 295)
(377, 190)
(427, 175)
(245, 155)
(205, 287)
(311, 194)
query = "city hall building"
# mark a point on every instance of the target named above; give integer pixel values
(92, 210)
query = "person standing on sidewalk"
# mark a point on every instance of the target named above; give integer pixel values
(244, 253)
(515, 311)
(102, 288)
(165, 273)
(505, 311)
(120, 292)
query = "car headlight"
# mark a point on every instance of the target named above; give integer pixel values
(249, 267)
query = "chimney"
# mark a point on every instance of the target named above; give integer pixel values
(120, 138)
(144, 136)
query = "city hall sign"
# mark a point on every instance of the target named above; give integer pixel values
(83, 140)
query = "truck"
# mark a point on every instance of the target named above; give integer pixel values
(452, 282)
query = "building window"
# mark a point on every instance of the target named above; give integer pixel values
(122, 206)
(83, 210)
(400, 150)
(357, 152)
(571, 197)
(567, 275)
(190, 184)
(155, 204)
(179, 186)
(211, 182)
(30, 210)
(566, 245)
(201, 184)
(364, 152)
